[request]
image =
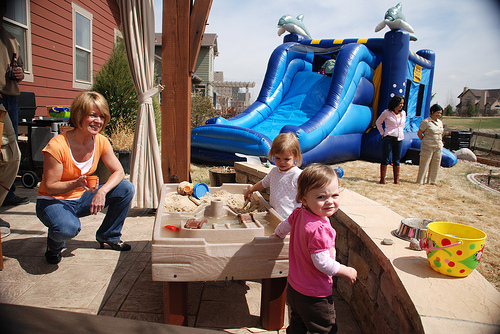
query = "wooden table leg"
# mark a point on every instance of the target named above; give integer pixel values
(272, 303)
(175, 303)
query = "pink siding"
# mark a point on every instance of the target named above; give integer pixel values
(52, 47)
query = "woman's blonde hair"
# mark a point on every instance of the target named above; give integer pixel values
(83, 104)
(312, 177)
(286, 142)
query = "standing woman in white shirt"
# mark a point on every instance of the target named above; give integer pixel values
(430, 133)
(392, 133)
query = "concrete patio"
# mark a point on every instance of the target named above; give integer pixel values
(396, 291)
(92, 281)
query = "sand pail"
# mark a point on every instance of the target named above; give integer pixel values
(220, 175)
(453, 249)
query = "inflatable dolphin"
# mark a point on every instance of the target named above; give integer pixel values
(395, 19)
(292, 25)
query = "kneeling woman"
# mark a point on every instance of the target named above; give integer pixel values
(65, 195)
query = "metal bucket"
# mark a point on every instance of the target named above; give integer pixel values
(412, 228)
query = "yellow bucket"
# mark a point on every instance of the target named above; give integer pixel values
(453, 249)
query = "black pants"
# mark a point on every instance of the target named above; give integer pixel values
(310, 314)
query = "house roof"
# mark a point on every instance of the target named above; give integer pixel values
(209, 40)
(492, 95)
(478, 92)
(239, 84)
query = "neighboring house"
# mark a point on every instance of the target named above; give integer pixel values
(64, 43)
(204, 68)
(203, 75)
(486, 101)
(226, 95)
(230, 100)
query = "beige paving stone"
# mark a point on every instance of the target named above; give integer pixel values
(71, 286)
(145, 296)
(195, 291)
(452, 297)
(363, 215)
(87, 253)
(24, 270)
(27, 227)
(122, 280)
(10, 292)
(142, 316)
(16, 245)
(99, 300)
(226, 314)
(243, 330)
(399, 248)
(224, 290)
(253, 296)
(437, 325)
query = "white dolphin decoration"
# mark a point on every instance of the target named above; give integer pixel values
(395, 19)
(292, 25)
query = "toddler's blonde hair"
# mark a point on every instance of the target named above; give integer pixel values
(286, 143)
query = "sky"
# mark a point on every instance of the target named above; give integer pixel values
(464, 35)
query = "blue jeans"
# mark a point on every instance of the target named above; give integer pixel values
(62, 216)
(391, 144)
(10, 104)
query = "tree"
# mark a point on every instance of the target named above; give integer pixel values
(448, 111)
(471, 110)
(202, 109)
(115, 83)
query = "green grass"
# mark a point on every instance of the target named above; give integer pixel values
(476, 123)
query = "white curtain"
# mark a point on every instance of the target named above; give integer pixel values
(138, 32)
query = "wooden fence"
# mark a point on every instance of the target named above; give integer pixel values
(485, 142)
(489, 145)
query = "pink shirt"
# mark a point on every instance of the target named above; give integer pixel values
(309, 235)
(394, 126)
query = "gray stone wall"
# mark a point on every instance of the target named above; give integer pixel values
(378, 300)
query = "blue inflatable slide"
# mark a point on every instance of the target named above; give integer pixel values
(333, 115)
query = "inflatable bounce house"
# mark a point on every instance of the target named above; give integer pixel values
(329, 93)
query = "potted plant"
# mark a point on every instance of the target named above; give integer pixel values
(122, 139)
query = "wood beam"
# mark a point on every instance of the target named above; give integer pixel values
(176, 97)
(199, 18)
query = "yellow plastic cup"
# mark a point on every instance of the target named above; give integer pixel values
(453, 249)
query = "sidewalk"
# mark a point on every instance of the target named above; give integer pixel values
(93, 281)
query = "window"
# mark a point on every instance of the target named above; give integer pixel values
(17, 22)
(468, 100)
(82, 47)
